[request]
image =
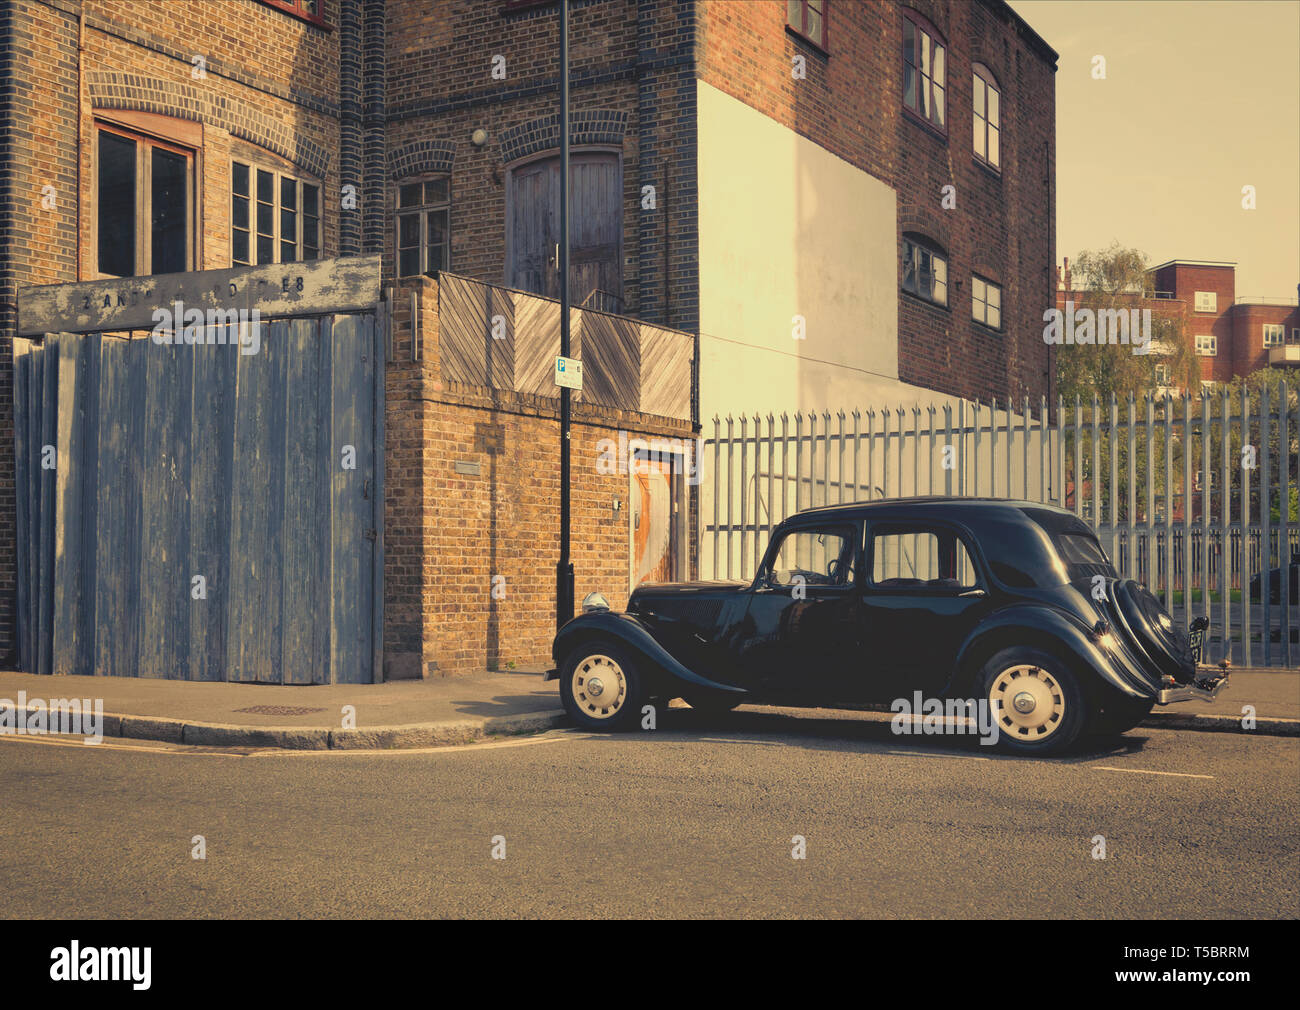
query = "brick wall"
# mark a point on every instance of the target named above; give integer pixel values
(630, 65)
(1184, 280)
(850, 103)
(1248, 350)
(449, 533)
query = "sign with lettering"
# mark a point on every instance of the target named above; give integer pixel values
(568, 372)
(129, 303)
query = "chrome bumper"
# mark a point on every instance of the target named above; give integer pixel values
(1204, 688)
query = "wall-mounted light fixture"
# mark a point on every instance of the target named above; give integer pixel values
(479, 137)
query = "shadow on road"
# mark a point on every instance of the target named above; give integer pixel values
(820, 729)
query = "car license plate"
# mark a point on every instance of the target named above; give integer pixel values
(1196, 638)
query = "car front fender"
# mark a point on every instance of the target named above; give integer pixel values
(631, 633)
(1102, 657)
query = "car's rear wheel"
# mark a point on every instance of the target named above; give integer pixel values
(1037, 704)
(1119, 715)
(601, 687)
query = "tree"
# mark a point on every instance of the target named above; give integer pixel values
(1117, 279)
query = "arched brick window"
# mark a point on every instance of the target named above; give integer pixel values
(925, 75)
(987, 116)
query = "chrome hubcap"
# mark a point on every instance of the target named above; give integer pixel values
(599, 687)
(1029, 702)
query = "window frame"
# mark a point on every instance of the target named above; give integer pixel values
(1213, 345)
(1212, 296)
(801, 30)
(422, 211)
(983, 321)
(278, 175)
(920, 24)
(928, 246)
(850, 531)
(1280, 328)
(983, 77)
(919, 527)
(145, 142)
(297, 9)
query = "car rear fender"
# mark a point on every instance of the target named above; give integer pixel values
(1096, 661)
(633, 635)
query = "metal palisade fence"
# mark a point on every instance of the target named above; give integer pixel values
(1195, 495)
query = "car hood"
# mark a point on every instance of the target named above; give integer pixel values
(699, 605)
(677, 590)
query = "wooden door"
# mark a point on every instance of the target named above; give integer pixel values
(654, 522)
(595, 230)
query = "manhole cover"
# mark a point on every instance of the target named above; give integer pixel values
(279, 710)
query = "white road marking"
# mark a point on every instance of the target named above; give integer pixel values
(160, 746)
(1148, 771)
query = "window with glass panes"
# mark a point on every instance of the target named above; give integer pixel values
(807, 18)
(144, 204)
(986, 302)
(423, 227)
(988, 118)
(925, 271)
(274, 218)
(923, 71)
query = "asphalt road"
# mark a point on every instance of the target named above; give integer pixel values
(694, 819)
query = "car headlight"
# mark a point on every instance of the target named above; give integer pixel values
(594, 601)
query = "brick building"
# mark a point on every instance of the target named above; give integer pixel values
(149, 138)
(771, 177)
(1231, 337)
(777, 187)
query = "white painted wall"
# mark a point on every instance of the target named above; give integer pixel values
(786, 229)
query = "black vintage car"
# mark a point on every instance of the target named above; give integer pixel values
(1011, 603)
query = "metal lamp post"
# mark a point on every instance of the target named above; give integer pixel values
(564, 568)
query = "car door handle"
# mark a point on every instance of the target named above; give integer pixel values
(971, 593)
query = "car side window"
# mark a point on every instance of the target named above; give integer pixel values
(921, 559)
(814, 557)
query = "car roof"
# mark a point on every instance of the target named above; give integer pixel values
(933, 506)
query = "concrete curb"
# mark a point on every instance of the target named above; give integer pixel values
(449, 732)
(402, 737)
(1264, 725)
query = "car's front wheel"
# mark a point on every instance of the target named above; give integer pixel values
(1037, 704)
(601, 687)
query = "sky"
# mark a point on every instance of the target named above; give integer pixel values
(1200, 99)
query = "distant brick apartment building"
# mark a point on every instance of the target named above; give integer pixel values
(771, 176)
(1231, 337)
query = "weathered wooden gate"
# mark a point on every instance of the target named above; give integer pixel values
(203, 503)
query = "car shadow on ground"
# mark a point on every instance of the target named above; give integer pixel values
(822, 729)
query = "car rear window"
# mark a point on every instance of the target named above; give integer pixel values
(1075, 542)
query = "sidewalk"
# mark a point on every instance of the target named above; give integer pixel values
(404, 713)
(454, 710)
